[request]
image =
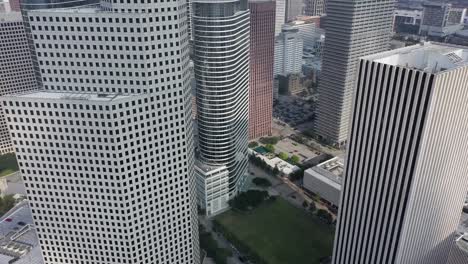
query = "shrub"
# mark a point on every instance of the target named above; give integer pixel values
(312, 207)
(325, 215)
(261, 182)
(269, 140)
(305, 204)
(297, 175)
(253, 144)
(6, 203)
(295, 159)
(249, 199)
(270, 148)
(283, 156)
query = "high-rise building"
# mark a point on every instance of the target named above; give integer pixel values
(262, 46)
(280, 16)
(441, 19)
(4, 7)
(15, 5)
(407, 172)
(293, 9)
(288, 52)
(352, 29)
(308, 30)
(27, 5)
(314, 7)
(221, 56)
(106, 150)
(16, 70)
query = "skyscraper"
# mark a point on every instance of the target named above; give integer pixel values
(221, 57)
(262, 42)
(288, 52)
(353, 29)
(280, 15)
(314, 7)
(293, 9)
(16, 70)
(407, 172)
(15, 5)
(106, 150)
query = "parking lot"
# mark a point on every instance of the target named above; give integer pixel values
(292, 147)
(293, 111)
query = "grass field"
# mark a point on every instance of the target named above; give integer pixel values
(8, 164)
(281, 233)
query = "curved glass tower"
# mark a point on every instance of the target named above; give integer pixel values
(221, 56)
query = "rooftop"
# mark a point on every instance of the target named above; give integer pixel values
(330, 171)
(71, 96)
(208, 169)
(428, 57)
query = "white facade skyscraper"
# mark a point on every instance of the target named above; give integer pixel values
(288, 52)
(354, 28)
(221, 56)
(106, 150)
(406, 174)
(280, 16)
(16, 69)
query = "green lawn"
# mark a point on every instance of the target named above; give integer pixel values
(281, 233)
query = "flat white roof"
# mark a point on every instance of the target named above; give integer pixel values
(70, 96)
(428, 57)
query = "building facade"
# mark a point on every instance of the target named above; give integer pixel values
(212, 188)
(441, 19)
(106, 150)
(293, 9)
(406, 174)
(288, 52)
(262, 46)
(16, 70)
(280, 15)
(353, 29)
(325, 180)
(221, 33)
(314, 7)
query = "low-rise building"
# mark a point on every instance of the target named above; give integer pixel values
(441, 19)
(212, 184)
(325, 180)
(407, 21)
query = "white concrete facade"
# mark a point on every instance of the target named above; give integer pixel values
(288, 52)
(212, 188)
(106, 151)
(325, 179)
(406, 173)
(280, 16)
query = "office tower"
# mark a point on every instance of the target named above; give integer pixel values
(288, 52)
(441, 19)
(15, 5)
(5, 7)
(27, 5)
(16, 71)
(106, 149)
(314, 7)
(293, 9)
(222, 81)
(353, 29)
(406, 173)
(280, 15)
(308, 30)
(262, 46)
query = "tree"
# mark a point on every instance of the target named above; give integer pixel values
(6, 203)
(297, 175)
(270, 148)
(253, 144)
(261, 182)
(276, 171)
(249, 199)
(325, 215)
(312, 207)
(295, 159)
(283, 156)
(305, 204)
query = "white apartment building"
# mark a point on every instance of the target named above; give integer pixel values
(106, 151)
(280, 16)
(406, 175)
(212, 188)
(16, 69)
(288, 52)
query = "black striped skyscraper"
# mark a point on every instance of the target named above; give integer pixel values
(406, 174)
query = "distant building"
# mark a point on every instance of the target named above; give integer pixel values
(16, 68)
(293, 9)
(353, 29)
(441, 19)
(212, 185)
(290, 84)
(280, 16)
(407, 21)
(262, 48)
(406, 174)
(314, 7)
(307, 29)
(325, 180)
(15, 5)
(288, 52)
